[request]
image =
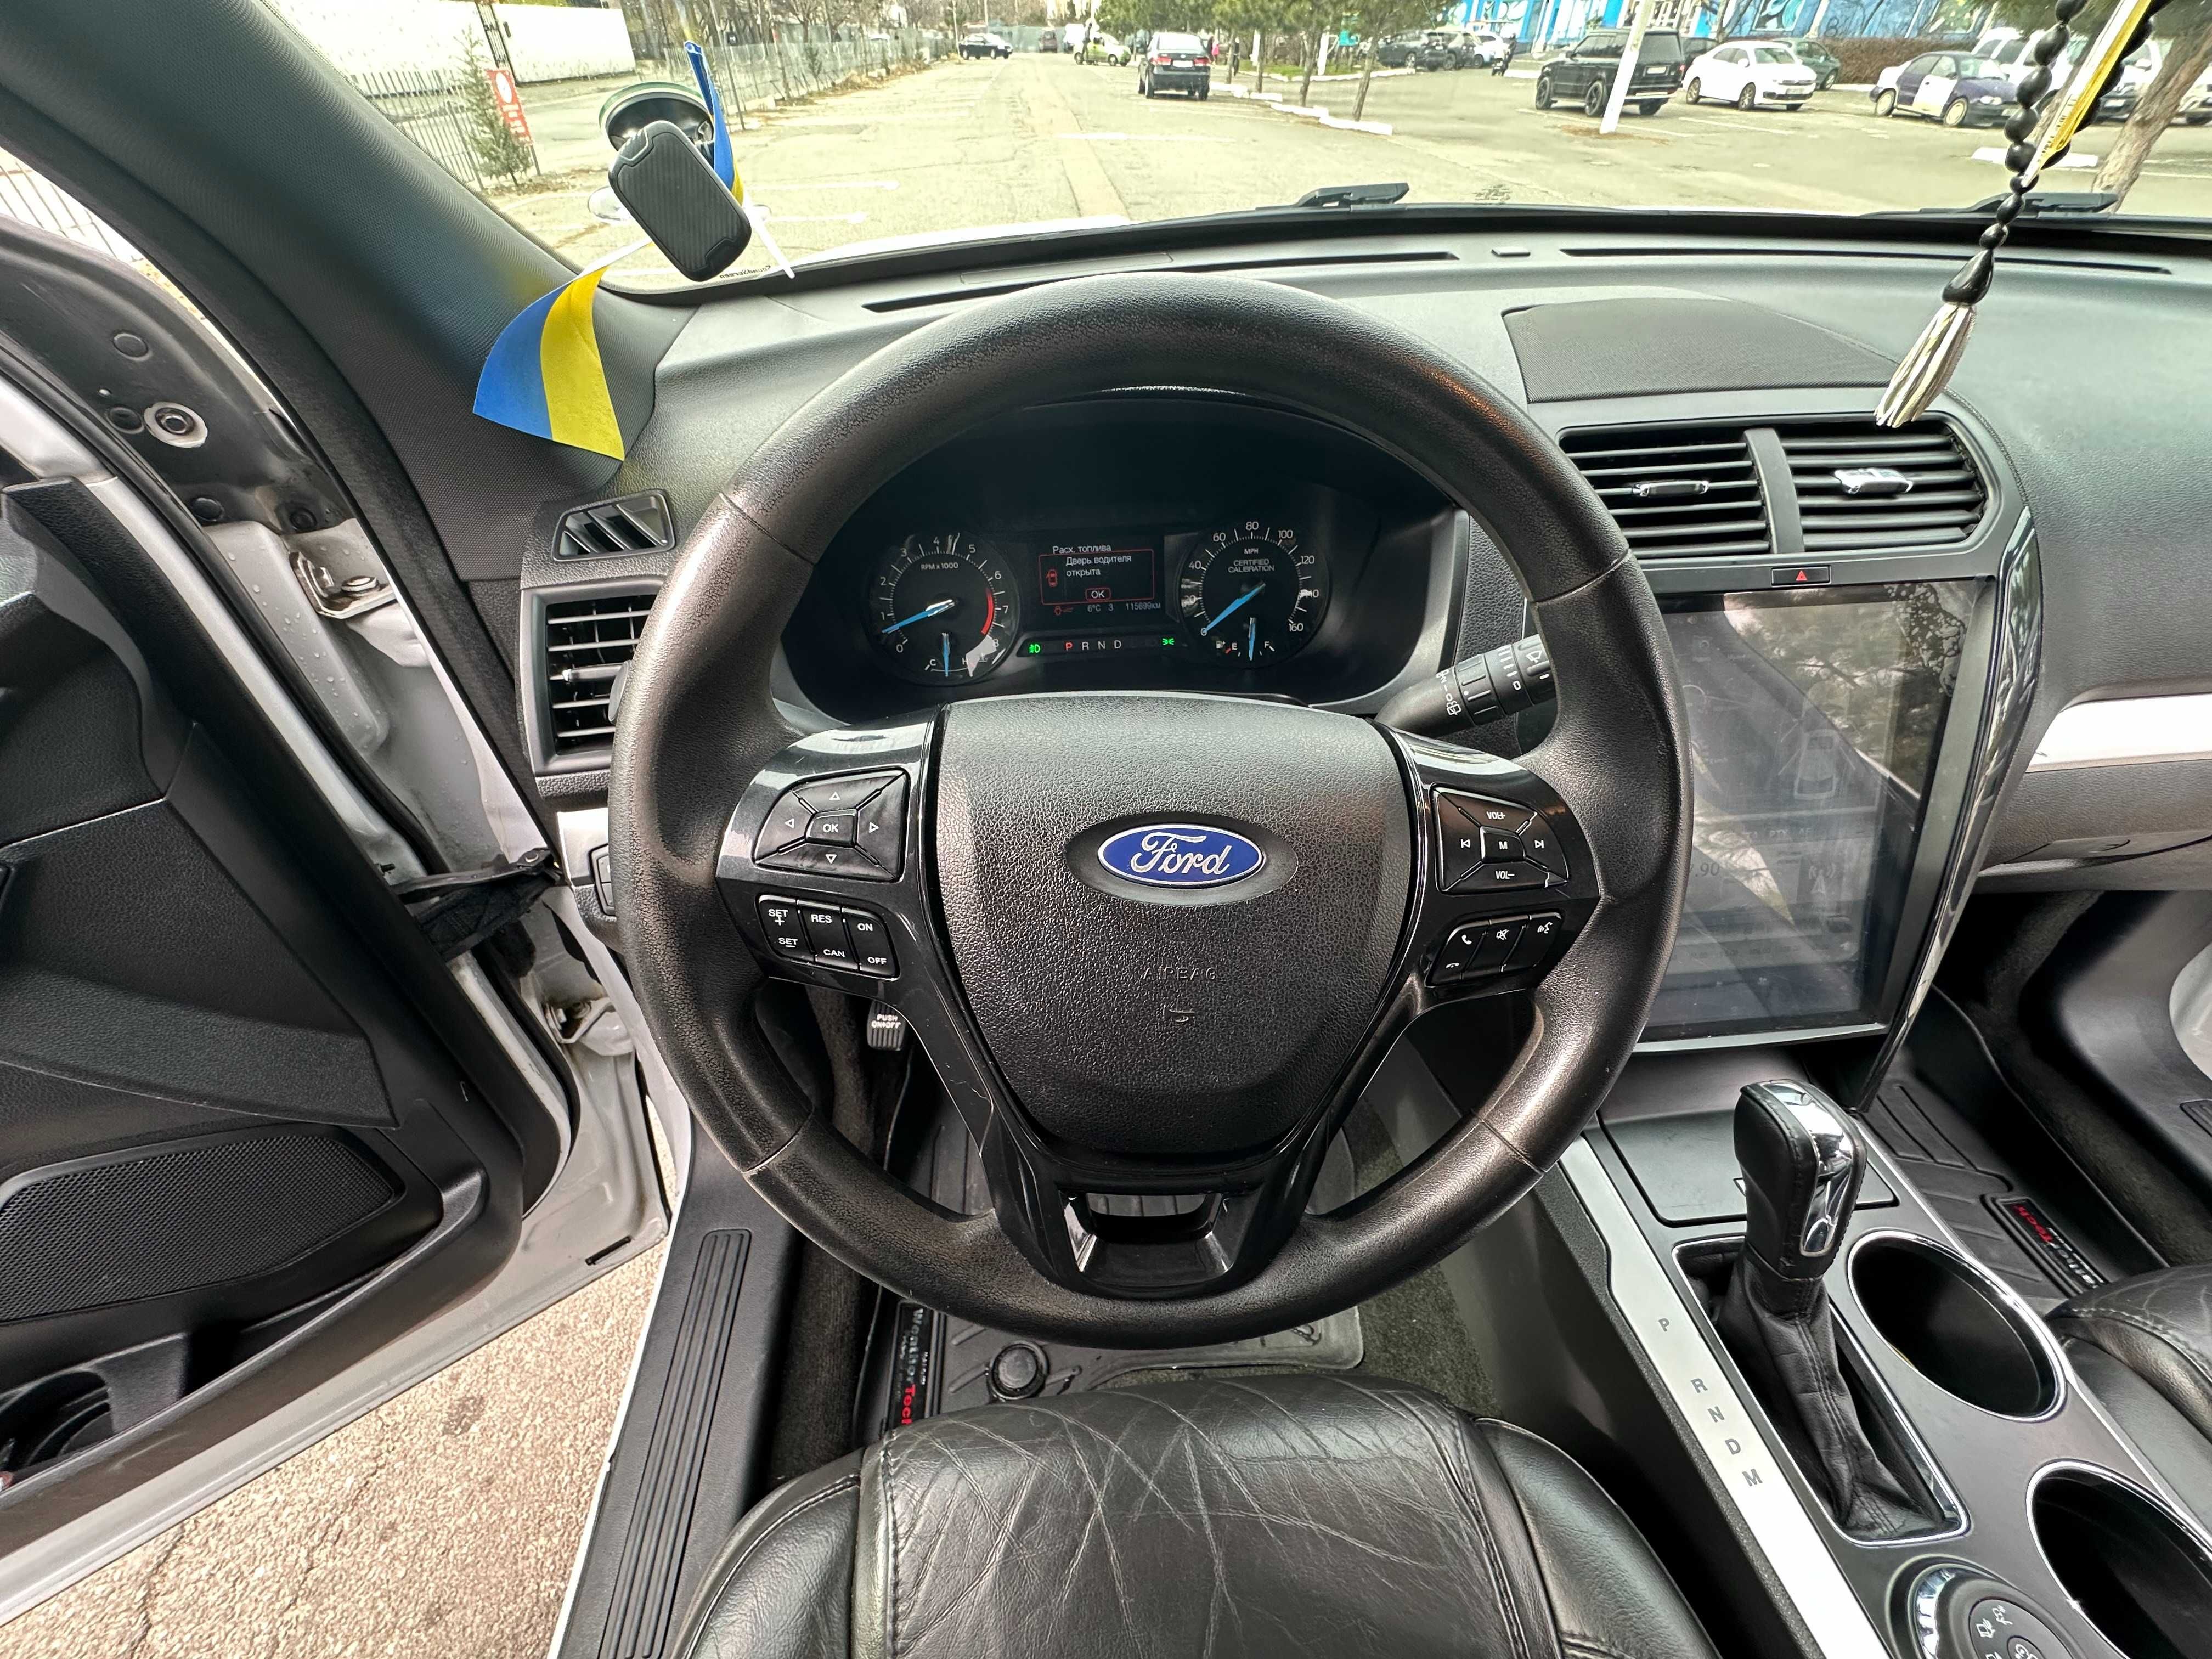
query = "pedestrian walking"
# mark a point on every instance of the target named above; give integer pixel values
(1504, 61)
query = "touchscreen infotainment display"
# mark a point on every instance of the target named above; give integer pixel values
(1815, 717)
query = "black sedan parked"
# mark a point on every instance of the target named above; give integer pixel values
(1174, 63)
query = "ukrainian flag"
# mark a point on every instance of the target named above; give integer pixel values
(545, 375)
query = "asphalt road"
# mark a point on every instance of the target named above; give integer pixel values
(440, 1526)
(1000, 142)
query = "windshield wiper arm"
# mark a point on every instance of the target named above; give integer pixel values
(1347, 195)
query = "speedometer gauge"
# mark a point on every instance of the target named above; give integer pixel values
(1251, 593)
(942, 609)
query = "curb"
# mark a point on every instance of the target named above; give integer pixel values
(1309, 112)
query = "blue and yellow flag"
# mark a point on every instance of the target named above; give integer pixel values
(544, 376)
(724, 159)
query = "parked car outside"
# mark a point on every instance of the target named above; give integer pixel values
(1954, 88)
(1751, 75)
(1174, 63)
(1108, 50)
(2197, 103)
(980, 43)
(1812, 54)
(1584, 74)
(1398, 50)
(1442, 49)
(2007, 50)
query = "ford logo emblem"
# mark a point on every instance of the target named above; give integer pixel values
(1181, 856)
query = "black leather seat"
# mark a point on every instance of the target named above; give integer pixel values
(1275, 1515)
(2143, 1345)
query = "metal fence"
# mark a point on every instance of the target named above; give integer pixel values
(426, 105)
(33, 199)
(799, 61)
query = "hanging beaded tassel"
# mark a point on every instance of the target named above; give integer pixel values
(1926, 369)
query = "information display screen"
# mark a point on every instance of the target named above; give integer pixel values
(1814, 721)
(1116, 581)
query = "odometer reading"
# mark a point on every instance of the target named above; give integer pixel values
(1251, 594)
(942, 609)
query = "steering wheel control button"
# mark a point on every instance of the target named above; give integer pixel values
(1459, 843)
(872, 944)
(787, 933)
(849, 826)
(826, 936)
(843, 795)
(786, 826)
(1476, 837)
(881, 836)
(1533, 945)
(1541, 848)
(1510, 877)
(1494, 943)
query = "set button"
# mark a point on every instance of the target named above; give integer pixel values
(828, 935)
(1493, 846)
(1477, 949)
(849, 826)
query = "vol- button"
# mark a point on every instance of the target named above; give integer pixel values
(1506, 878)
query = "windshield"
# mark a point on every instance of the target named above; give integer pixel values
(859, 126)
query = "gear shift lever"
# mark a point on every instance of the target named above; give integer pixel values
(1801, 1167)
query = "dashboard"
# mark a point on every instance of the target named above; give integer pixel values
(1169, 538)
(1162, 542)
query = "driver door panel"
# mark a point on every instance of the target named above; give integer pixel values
(235, 1155)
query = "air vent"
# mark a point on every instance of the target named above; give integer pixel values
(628, 524)
(1860, 485)
(587, 643)
(1677, 491)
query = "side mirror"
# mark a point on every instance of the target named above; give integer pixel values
(672, 193)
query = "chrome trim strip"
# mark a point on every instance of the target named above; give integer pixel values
(2039, 1334)
(2126, 732)
(1762, 1038)
(1748, 1468)
(2015, 666)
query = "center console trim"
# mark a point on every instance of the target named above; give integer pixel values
(1761, 1493)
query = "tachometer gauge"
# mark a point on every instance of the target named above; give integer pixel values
(1251, 593)
(942, 609)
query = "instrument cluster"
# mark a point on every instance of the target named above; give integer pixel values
(947, 607)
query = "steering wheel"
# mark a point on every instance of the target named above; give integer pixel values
(1153, 944)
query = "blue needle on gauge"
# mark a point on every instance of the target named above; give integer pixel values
(1251, 638)
(1232, 607)
(923, 615)
(948, 651)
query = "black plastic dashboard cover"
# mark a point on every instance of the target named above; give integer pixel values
(1629, 347)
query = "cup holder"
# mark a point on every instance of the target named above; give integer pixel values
(2137, 1573)
(1945, 1315)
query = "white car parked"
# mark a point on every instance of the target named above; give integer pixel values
(1751, 75)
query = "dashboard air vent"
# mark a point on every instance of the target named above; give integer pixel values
(628, 524)
(1862, 485)
(1677, 491)
(588, 642)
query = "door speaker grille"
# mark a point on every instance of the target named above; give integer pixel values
(153, 1222)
